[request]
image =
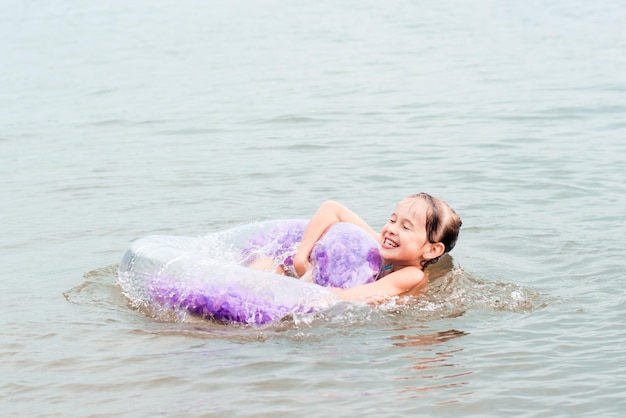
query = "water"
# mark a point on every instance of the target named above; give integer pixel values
(122, 120)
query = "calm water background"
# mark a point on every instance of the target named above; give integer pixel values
(122, 119)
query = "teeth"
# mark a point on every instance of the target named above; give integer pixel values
(390, 243)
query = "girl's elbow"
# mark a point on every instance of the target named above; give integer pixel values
(331, 205)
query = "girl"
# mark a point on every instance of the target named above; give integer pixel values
(419, 231)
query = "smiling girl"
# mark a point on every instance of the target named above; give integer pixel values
(419, 231)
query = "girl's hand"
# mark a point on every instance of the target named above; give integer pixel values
(329, 213)
(301, 264)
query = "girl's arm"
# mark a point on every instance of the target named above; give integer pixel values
(393, 284)
(328, 214)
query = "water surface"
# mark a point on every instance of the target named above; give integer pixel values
(122, 120)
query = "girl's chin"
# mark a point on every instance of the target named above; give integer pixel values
(386, 254)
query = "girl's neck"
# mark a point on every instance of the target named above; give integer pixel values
(386, 267)
(390, 266)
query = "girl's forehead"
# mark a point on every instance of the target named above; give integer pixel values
(412, 208)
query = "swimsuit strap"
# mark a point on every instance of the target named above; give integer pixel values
(383, 270)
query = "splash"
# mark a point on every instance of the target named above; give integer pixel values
(455, 292)
(452, 292)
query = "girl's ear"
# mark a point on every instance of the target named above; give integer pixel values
(435, 250)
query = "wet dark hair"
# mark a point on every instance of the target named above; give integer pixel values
(442, 223)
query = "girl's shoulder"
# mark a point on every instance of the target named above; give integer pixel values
(411, 271)
(406, 277)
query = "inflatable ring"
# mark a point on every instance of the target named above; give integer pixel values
(210, 275)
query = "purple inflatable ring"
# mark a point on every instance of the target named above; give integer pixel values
(208, 276)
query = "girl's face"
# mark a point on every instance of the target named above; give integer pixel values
(403, 238)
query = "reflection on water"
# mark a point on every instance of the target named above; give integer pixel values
(425, 369)
(426, 339)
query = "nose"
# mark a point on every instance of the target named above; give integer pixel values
(392, 228)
